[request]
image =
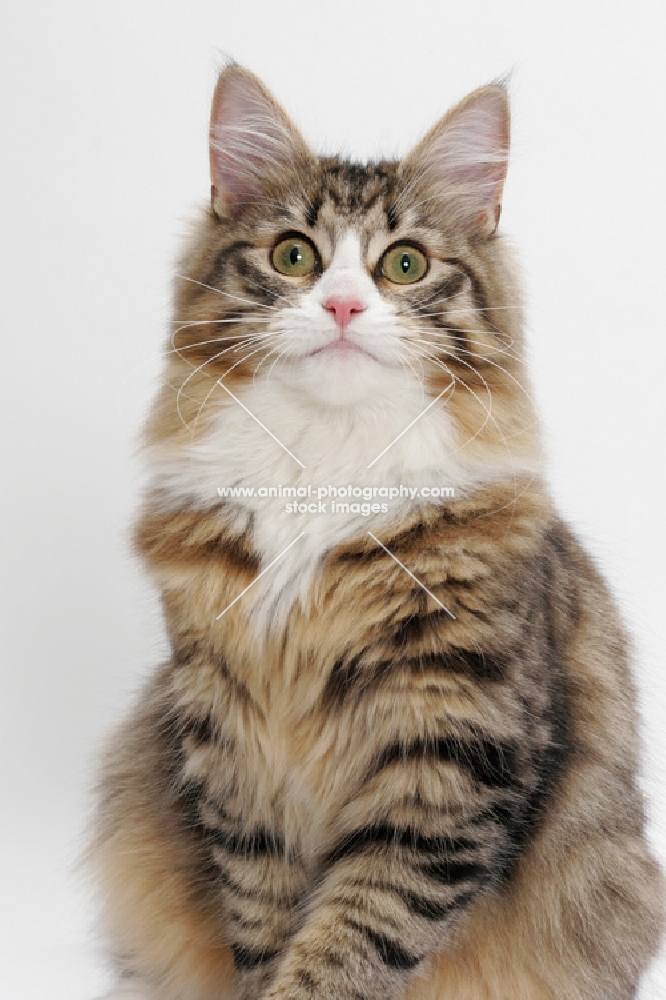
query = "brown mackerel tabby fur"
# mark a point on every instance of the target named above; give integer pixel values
(378, 800)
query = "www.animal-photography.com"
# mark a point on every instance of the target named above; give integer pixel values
(333, 610)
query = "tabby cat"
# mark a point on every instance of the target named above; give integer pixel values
(393, 753)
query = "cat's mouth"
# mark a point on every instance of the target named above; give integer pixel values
(341, 348)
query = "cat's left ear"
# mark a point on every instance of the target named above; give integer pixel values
(464, 159)
(252, 141)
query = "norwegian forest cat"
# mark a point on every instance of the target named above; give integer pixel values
(393, 753)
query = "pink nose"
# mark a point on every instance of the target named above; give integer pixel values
(343, 309)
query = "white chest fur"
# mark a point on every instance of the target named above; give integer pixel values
(335, 446)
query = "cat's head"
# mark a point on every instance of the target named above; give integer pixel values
(347, 283)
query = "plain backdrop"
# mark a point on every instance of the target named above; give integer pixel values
(104, 118)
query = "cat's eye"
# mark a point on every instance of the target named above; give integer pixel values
(294, 256)
(404, 264)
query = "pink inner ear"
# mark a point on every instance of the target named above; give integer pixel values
(237, 145)
(467, 157)
(249, 139)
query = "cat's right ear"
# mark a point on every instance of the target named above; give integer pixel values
(252, 141)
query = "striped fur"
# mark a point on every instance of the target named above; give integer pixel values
(368, 796)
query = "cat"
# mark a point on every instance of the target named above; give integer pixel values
(394, 751)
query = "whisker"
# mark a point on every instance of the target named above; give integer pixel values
(219, 291)
(241, 360)
(465, 310)
(499, 368)
(499, 431)
(261, 361)
(208, 362)
(433, 332)
(507, 307)
(419, 379)
(454, 355)
(165, 381)
(270, 370)
(203, 343)
(486, 309)
(160, 355)
(421, 355)
(269, 291)
(221, 319)
(516, 496)
(218, 382)
(487, 409)
(437, 294)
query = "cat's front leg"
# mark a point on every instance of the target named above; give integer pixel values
(260, 884)
(389, 897)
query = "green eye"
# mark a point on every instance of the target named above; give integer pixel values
(404, 265)
(294, 256)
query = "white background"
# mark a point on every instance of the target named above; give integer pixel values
(105, 108)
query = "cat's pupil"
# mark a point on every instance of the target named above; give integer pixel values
(295, 255)
(405, 262)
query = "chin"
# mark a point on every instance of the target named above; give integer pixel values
(343, 379)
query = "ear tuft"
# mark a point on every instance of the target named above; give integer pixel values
(252, 141)
(465, 158)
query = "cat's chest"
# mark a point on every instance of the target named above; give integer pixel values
(301, 481)
(296, 770)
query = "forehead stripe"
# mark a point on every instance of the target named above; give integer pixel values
(313, 211)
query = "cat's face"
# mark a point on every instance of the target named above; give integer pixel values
(346, 284)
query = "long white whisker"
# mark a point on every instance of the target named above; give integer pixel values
(269, 291)
(184, 323)
(219, 291)
(454, 354)
(261, 361)
(165, 381)
(500, 368)
(516, 495)
(487, 409)
(208, 362)
(419, 379)
(436, 295)
(160, 355)
(489, 417)
(433, 332)
(475, 343)
(212, 340)
(486, 309)
(218, 381)
(270, 370)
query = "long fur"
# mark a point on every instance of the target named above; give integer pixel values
(403, 764)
